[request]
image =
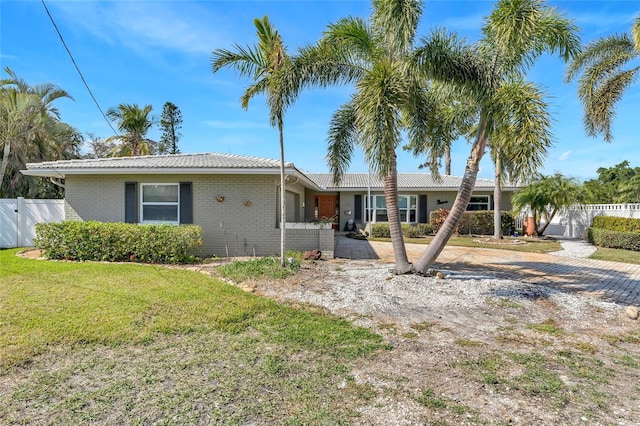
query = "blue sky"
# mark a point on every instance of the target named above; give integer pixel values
(150, 52)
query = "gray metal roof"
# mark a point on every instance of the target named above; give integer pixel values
(405, 180)
(180, 161)
(238, 164)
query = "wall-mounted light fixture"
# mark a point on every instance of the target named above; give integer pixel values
(220, 198)
(247, 203)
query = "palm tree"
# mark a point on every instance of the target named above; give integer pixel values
(28, 119)
(547, 195)
(268, 64)
(134, 123)
(604, 78)
(515, 34)
(19, 117)
(389, 98)
(453, 116)
(518, 151)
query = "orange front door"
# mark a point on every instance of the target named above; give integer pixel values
(326, 206)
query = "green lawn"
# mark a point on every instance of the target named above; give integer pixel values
(616, 255)
(118, 343)
(535, 246)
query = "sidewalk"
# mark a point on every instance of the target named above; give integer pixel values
(611, 281)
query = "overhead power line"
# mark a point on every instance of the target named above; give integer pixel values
(77, 68)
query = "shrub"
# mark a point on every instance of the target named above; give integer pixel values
(410, 231)
(614, 239)
(474, 222)
(425, 228)
(113, 242)
(621, 224)
(381, 230)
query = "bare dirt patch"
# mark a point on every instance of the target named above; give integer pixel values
(476, 350)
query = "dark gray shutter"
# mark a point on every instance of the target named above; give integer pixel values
(422, 206)
(357, 208)
(186, 203)
(131, 202)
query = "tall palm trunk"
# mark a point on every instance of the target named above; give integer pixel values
(283, 199)
(5, 159)
(436, 245)
(393, 216)
(497, 198)
(447, 161)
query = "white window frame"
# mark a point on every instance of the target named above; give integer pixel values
(370, 214)
(159, 203)
(479, 203)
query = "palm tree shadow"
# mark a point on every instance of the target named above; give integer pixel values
(609, 285)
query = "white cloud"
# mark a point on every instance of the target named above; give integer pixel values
(181, 26)
(565, 155)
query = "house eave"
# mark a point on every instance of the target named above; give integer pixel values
(415, 189)
(64, 172)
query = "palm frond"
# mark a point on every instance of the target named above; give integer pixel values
(635, 34)
(397, 21)
(351, 35)
(519, 31)
(522, 129)
(448, 58)
(606, 50)
(247, 61)
(342, 139)
(599, 102)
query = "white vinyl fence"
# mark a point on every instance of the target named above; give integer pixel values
(573, 222)
(18, 218)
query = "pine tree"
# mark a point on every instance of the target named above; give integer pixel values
(170, 123)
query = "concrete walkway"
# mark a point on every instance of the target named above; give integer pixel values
(611, 281)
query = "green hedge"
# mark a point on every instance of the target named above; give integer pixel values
(381, 230)
(117, 242)
(614, 239)
(620, 224)
(474, 222)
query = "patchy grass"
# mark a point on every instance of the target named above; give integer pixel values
(549, 326)
(532, 245)
(259, 268)
(429, 399)
(123, 344)
(616, 255)
(467, 343)
(423, 326)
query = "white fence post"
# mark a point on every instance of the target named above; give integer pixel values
(21, 223)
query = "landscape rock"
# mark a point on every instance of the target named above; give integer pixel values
(632, 312)
(312, 255)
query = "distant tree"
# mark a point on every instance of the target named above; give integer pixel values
(170, 124)
(545, 196)
(617, 184)
(134, 123)
(99, 147)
